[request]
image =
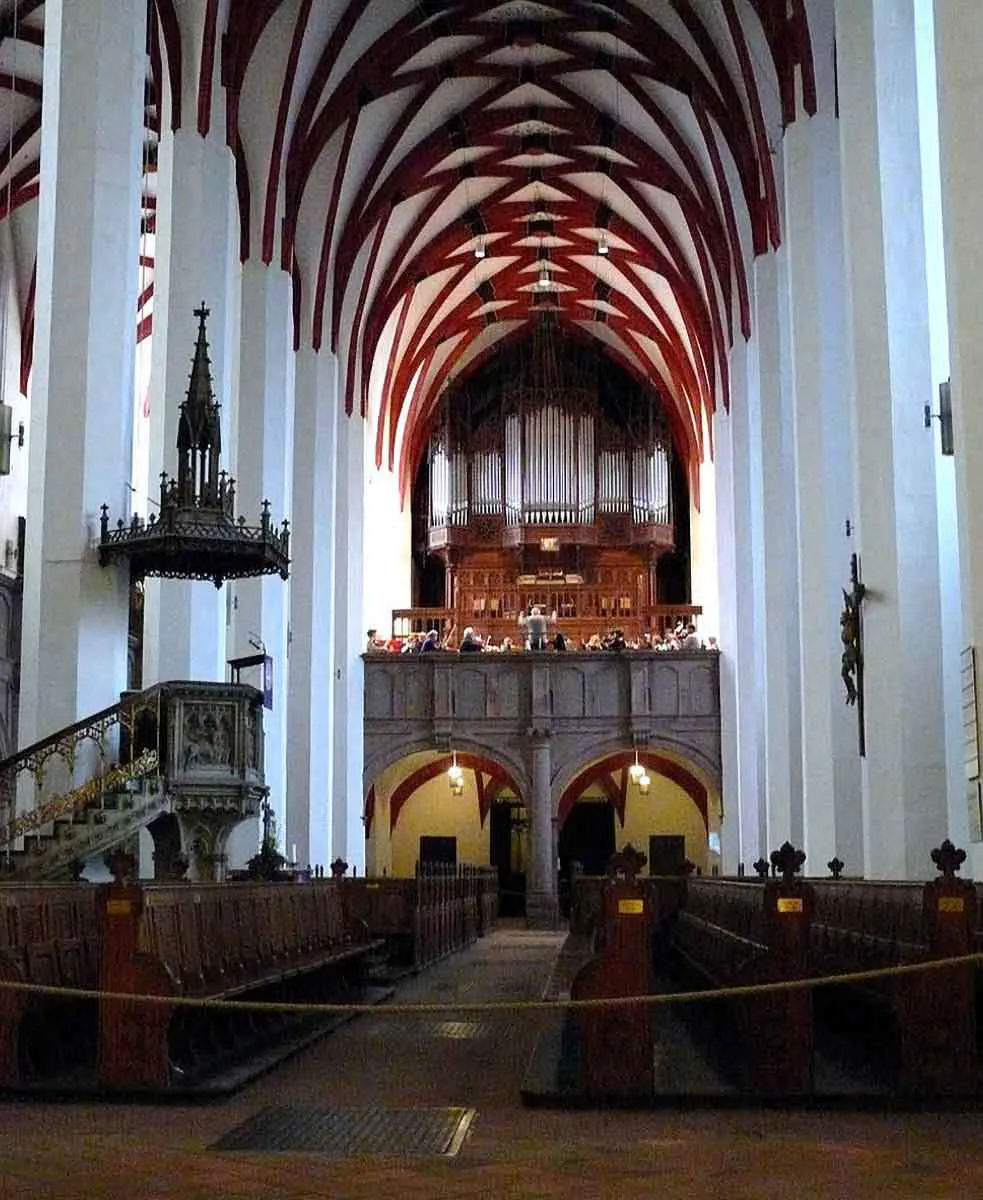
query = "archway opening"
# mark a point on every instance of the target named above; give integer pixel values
(418, 811)
(653, 800)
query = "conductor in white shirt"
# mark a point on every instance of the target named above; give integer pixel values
(536, 625)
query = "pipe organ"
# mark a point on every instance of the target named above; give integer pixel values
(552, 469)
(548, 470)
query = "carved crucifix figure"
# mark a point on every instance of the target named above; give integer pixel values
(851, 637)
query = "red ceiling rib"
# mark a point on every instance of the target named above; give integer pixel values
(610, 135)
(207, 68)
(275, 165)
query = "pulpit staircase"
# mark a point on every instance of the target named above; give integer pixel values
(47, 829)
(84, 789)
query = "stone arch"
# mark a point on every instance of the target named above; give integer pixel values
(382, 753)
(480, 764)
(603, 768)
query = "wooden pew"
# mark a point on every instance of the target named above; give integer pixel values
(616, 1044)
(734, 933)
(272, 941)
(925, 1023)
(923, 1026)
(440, 910)
(48, 936)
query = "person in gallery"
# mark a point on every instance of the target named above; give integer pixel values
(536, 625)
(470, 642)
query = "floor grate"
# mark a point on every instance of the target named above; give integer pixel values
(403, 1132)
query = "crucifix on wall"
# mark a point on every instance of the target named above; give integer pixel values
(852, 660)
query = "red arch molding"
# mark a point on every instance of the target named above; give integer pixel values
(499, 779)
(605, 769)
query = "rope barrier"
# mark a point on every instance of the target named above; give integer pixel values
(488, 1007)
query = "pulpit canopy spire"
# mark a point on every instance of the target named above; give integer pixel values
(196, 534)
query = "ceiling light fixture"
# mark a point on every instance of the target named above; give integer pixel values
(480, 249)
(455, 776)
(602, 246)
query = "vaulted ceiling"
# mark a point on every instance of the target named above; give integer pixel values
(434, 174)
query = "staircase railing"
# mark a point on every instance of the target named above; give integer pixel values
(62, 806)
(127, 734)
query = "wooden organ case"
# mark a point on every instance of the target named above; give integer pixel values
(551, 482)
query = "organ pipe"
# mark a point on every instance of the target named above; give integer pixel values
(548, 458)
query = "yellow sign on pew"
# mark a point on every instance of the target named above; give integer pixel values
(790, 904)
(118, 908)
(952, 904)
(630, 908)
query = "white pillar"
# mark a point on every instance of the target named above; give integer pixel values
(959, 47)
(771, 434)
(310, 693)
(904, 786)
(195, 262)
(960, 828)
(74, 647)
(263, 445)
(347, 832)
(745, 481)
(733, 839)
(823, 473)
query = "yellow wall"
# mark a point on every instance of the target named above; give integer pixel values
(667, 809)
(378, 849)
(432, 811)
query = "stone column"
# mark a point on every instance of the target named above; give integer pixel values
(310, 692)
(745, 475)
(263, 446)
(732, 828)
(195, 260)
(771, 432)
(347, 835)
(75, 615)
(541, 887)
(959, 46)
(903, 773)
(823, 480)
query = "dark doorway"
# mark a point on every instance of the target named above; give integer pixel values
(667, 854)
(506, 852)
(587, 837)
(438, 850)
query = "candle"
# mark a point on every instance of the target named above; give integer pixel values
(293, 852)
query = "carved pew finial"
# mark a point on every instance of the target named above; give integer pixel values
(835, 866)
(122, 866)
(627, 863)
(788, 861)
(948, 859)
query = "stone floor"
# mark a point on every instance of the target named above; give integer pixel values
(66, 1151)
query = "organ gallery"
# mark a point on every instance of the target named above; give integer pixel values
(551, 480)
